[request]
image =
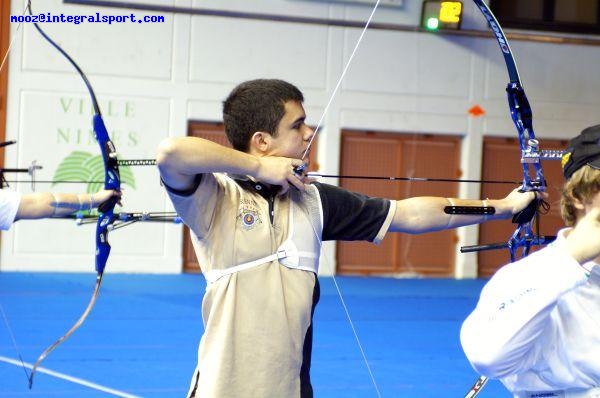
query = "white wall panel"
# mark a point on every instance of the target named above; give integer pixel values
(257, 49)
(383, 63)
(404, 82)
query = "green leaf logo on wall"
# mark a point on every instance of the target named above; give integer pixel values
(82, 166)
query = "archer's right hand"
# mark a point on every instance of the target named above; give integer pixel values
(277, 170)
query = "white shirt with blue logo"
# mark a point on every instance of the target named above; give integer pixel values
(536, 326)
(9, 205)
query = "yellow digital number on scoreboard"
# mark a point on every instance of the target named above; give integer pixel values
(450, 11)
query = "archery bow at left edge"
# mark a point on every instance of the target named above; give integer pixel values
(106, 216)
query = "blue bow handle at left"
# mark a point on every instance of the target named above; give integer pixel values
(111, 181)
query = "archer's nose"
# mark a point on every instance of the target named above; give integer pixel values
(308, 133)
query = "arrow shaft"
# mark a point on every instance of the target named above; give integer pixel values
(392, 178)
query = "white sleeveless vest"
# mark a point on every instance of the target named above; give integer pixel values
(302, 246)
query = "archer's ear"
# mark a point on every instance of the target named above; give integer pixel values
(261, 141)
(578, 204)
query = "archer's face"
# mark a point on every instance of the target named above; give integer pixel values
(293, 134)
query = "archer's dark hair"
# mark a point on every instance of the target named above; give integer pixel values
(256, 105)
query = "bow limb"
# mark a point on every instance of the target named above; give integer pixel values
(106, 217)
(533, 176)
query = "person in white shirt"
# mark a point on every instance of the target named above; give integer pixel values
(536, 326)
(16, 206)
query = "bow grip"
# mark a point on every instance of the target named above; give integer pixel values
(527, 214)
(108, 205)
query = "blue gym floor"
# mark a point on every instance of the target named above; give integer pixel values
(141, 338)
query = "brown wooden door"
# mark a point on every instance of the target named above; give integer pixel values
(216, 132)
(501, 161)
(4, 42)
(412, 155)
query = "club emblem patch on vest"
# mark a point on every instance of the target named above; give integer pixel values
(249, 215)
(248, 219)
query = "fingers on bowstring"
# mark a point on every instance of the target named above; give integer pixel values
(294, 181)
(298, 182)
(285, 186)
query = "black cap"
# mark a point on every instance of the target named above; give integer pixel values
(583, 149)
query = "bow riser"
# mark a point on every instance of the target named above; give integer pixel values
(112, 180)
(522, 116)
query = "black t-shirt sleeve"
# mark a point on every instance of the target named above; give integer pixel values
(350, 215)
(184, 192)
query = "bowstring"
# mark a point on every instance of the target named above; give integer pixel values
(352, 326)
(339, 82)
(408, 188)
(331, 271)
(14, 340)
(305, 154)
(12, 41)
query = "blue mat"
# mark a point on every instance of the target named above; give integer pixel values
(141, 338)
